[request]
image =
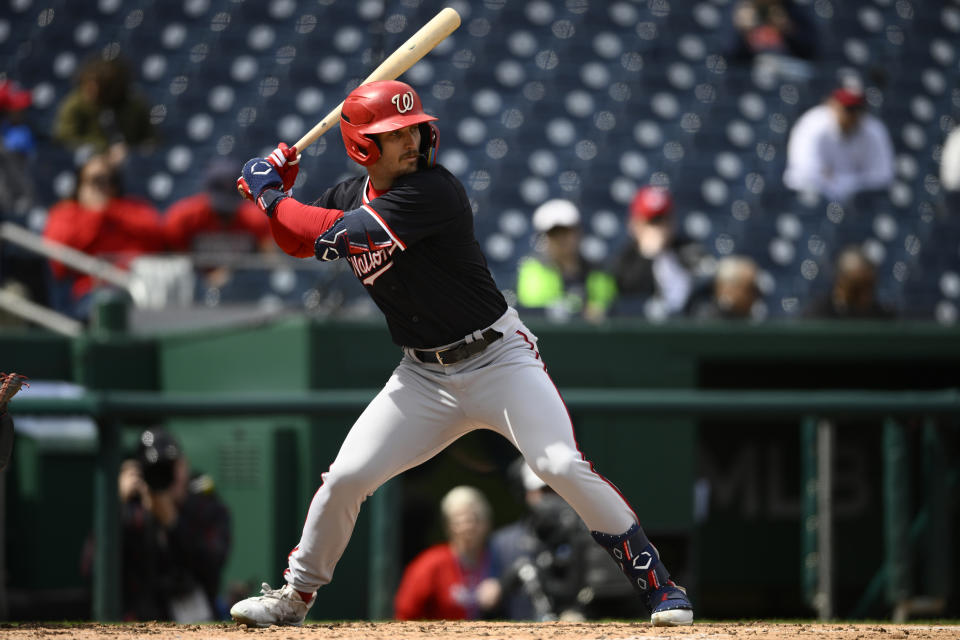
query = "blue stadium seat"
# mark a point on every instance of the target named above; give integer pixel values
(538, 99)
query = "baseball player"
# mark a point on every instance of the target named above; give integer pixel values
(406, 229)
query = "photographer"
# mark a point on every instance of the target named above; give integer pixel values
(176, 535)
(548, 564)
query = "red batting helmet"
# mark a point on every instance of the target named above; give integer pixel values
(378, 107)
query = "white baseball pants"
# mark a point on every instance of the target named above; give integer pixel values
(425, 407)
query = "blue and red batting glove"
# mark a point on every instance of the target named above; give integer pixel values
(258, 176)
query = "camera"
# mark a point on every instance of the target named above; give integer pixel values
(157, 454)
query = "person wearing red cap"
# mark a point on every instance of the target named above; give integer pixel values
(17, 135)
(653, 269)
(838, 149)
(21, 272)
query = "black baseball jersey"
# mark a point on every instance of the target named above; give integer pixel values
(414, 250)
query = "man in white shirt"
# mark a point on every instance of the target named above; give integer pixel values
(837, 149)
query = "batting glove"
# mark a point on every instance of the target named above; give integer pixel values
(286, 160)
(258, 176)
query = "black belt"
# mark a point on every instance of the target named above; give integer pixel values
(460, 351)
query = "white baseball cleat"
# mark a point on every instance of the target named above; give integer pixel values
(282, 606)
(669, 606)
(672, 618)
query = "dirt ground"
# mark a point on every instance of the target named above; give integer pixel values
(486, 631)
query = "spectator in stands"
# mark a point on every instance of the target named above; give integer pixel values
(17, 145)
(736, 293)
(452, 580)
(547, 559)
(100, 220)
(780, 31)
(21, 272)
(176, 535)
(104, 111)
(853, 294)
(217, 221)
(556, 279)
(654, 266)
(16, 133)
(837, 149)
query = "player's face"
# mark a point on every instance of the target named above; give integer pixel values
(563, 242)
(848, 118)
(399, 151)
(466, 528)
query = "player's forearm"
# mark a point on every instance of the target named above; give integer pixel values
(304, 220)
(295, 226)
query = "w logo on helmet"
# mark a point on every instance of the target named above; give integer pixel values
(403, 101)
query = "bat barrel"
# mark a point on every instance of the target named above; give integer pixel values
(407, 55)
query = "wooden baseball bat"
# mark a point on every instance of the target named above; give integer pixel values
(409, 53)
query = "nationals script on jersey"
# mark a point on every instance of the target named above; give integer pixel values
(420, 260)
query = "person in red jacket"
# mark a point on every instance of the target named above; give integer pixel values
(217, 222)
(217, 218)
(100, 220)
(452, 580)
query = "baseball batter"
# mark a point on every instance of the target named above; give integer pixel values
(406, 228)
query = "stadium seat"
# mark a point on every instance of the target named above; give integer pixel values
(537, 99)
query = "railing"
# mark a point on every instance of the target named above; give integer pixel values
(168, 270)
(77, 260)
(812, 409)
